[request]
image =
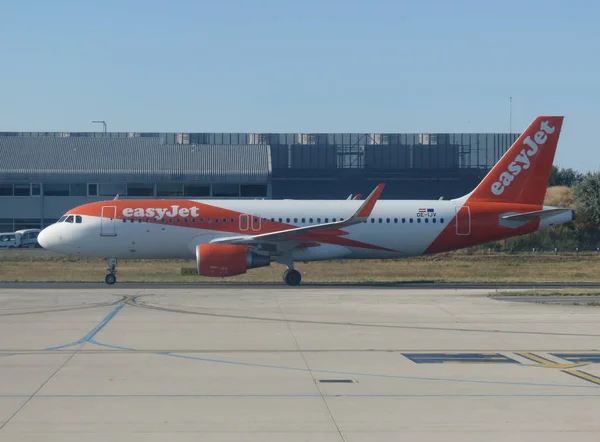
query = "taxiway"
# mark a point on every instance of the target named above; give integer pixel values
(309, 364)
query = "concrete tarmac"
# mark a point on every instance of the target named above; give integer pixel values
(306, 364)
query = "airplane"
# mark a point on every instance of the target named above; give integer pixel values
(229, 237)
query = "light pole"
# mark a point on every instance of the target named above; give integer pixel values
(103, 123)
(510, 117)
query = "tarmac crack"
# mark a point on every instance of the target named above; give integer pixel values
(39, 388)
(311, 374)
(61, 309)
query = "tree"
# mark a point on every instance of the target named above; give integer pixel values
(587, 194)
(553, 173)
(564, 177)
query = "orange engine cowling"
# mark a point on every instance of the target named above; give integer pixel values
(227, 259)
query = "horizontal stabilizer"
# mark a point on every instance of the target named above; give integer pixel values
(527, 216)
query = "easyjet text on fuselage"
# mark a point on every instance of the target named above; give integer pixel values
(161, 212)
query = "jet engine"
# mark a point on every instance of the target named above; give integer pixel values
(227, 259)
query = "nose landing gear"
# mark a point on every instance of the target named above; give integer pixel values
(111, 277)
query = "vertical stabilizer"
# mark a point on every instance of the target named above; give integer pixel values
(523, 172)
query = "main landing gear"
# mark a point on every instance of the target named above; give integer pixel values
(111, 278)
(292, 277)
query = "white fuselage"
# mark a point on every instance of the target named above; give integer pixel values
(158, 229)
(396, 226)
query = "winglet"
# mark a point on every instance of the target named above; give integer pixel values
(365, 209)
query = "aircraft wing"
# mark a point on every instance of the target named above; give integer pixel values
(361, 215)
(527, 216)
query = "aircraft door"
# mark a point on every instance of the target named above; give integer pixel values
(463, 220)
(108, 221)
(243, 223)
(256, 220)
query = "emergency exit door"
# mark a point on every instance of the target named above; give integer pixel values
(463, 221)
(252, 222)
(244, 222)
(256, 222)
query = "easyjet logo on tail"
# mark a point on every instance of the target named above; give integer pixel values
(522, 161)
(160, 213)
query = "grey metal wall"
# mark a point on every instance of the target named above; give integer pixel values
(39, 168)
(129, 159)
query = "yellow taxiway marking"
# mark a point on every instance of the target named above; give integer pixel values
(585, 376)
(129, 300)
(547, 363)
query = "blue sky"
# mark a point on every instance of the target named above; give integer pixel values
(304, 66)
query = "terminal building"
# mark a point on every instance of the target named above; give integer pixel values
(44, 174)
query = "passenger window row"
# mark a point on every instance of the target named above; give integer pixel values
(303, 220)
(404, 220)
(185, 220)
(222, 220)
(266, 220)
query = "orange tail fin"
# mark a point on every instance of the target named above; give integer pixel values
(523, 172)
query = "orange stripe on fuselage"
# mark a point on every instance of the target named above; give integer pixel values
(149, 210)
(339, 241)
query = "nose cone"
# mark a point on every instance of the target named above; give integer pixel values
(48, 238)
(43, 238)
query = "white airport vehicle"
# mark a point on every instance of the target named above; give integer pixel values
(9, 240)
(28, 238)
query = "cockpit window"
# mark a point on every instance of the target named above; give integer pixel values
(78, 219)
(69, 219)
(62, 218)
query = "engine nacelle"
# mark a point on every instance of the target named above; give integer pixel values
(221, 260)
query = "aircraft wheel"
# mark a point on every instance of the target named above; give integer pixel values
(292, 277)
(110, 279)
